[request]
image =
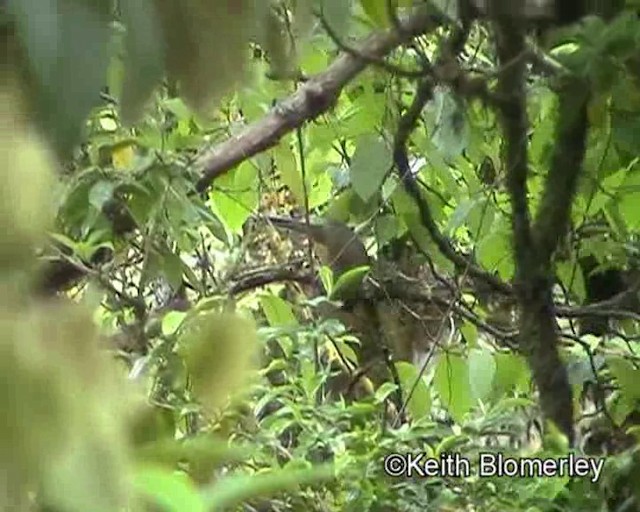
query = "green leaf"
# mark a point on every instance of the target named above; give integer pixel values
(86, 250)
(376, 10)
(470, 333)
(361, 117)
(171, 266)
(289, 172)
(512, 372)
(64, 240)
(349, 281)
(620, 408)
(451, 136)
(66, 81)
(346, 351)
(321, 191)
(388, 228)
(629, 198)
(235, 195)
(218, 351)
(384, 391)
(481, 218)
(544, 134)
(452, 384)
(231, 491)
(554, 440)
(627, 375)
(450, 443)
(326, 277)
(178, 108)
(100, 193)
(277, 311)
(369, 166)
(171, 322)
(337, 14)
(310, 379)
(606, 190)
(624, 130)
(173, 490)
(460, 214)
(419, 404)
(482, 370)
(495, 252)
(144, 61)
(571, 277)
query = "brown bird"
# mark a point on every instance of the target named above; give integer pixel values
(339, 246)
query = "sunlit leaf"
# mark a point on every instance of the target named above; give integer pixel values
(235, 195)
(122, 155)
(349, 281)
(321, 191)
(171, 489)
(277, 311)
(627, 375)
(512, 372)
(289, 173)
(452, 384)
(235, 489)
(419, 404)
(482, 369)
(384, 391)
(369, 166)
(171, 322)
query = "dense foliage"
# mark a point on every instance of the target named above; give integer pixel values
(167, 346)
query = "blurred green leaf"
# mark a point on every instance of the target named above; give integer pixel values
(144, 61)
(482, 370)
(235, 489)
(173, 490)
(100, 193)
(337, 14)
(171, 322)
(67, 82)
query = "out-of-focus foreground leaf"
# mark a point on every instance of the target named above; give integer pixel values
(62, 431)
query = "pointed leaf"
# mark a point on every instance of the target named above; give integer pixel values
(369, 166)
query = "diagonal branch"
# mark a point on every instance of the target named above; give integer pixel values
(312, 99)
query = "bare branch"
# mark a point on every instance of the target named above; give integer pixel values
(312, 98)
